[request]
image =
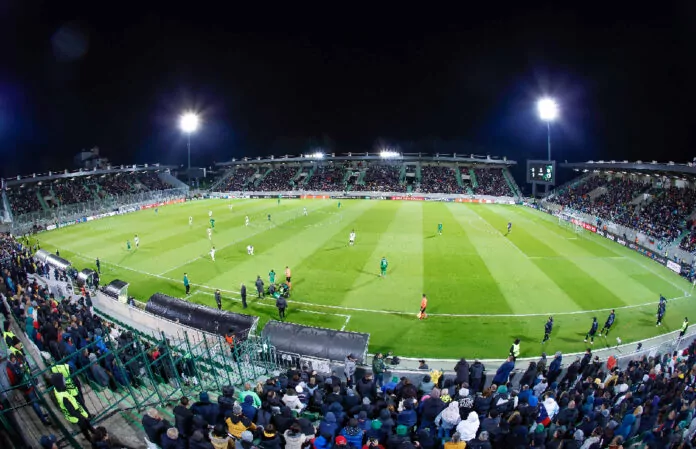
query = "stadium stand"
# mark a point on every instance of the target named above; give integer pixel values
(23, 200)
(326, 178)
(152, 181)
(662, 216)
(438, 179)
(278, 179)
(380, 178)
(491, 182)
(239, 180)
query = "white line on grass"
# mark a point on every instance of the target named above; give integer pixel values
(394, 312)
(234, 242)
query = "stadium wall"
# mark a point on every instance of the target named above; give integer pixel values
(399, 196)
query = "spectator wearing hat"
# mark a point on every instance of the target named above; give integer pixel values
(246, 441)
(208, 410)
(396, 441)
(270, 438)
(238, 423)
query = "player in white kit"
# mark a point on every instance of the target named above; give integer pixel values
(190, 221)
(246, 221)
(212, 253)
(210, 213)
(136, 239)
(250, 250)
(210, 234)
(304, 212)
(351, 238)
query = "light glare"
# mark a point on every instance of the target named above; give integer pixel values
(548, 109)
(387, 154)
(188, 122)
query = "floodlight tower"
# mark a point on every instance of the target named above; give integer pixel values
(548, 112)
(188, 122)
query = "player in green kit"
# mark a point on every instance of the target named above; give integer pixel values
(439, 228)
(339, 204)
(212, 223)
(271, 276)
(383, 266)
(128, 245)
(279, 196)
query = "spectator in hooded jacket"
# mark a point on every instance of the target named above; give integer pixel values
(219, 438)
(294, 438)
(238, 423)
(208, 410)
(183, 417)
(328, 425)
(503, 373)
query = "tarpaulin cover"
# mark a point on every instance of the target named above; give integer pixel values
(200, 317)
(316, 342)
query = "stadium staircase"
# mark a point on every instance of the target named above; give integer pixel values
(306, 179)
(223, 179)
(402, 174)
(474, 182)
(42, 201)
(511, 183)
(261, 178)
(418, 174)
(568, 185)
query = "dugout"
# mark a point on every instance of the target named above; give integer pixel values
(57, 262)
(316, 341)
(41, 255)
(201, 317)
(87, 278)
(116, 289)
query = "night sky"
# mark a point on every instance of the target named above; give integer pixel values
(280, 82)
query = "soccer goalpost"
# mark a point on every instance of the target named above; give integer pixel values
(570, 222)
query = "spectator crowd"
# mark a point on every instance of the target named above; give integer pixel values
(491, 182)
(662, 217)
(326, 178)
(81, 189)
(239, 181)
(278, 179)
(436, 179)
(380, 178)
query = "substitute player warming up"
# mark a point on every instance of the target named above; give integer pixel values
(592, 331)
(608, 324)
(351, 238)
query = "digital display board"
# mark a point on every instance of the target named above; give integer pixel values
(541, 172)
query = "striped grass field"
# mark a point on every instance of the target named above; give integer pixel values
(485, 288)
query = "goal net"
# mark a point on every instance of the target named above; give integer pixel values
(571, 222)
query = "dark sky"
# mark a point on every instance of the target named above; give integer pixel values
(277, 82)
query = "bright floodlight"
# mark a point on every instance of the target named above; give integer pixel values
(316, 155)
(548, 109)
(188, 122)
(387, 154)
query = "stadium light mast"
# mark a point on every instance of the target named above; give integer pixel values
(548, 112)
(188, 122)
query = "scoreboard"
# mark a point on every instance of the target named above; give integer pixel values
(541, 172)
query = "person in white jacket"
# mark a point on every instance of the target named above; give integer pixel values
(467, 429)
(291, 400)
(540, 387)
(447, 420)
(551, 407)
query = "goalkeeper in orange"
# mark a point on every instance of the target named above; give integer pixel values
(424, 304)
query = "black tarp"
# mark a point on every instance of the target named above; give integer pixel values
(200, 317)
(315, 341)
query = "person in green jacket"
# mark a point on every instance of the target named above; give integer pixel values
(378, 369)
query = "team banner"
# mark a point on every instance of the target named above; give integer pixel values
(638, 248)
